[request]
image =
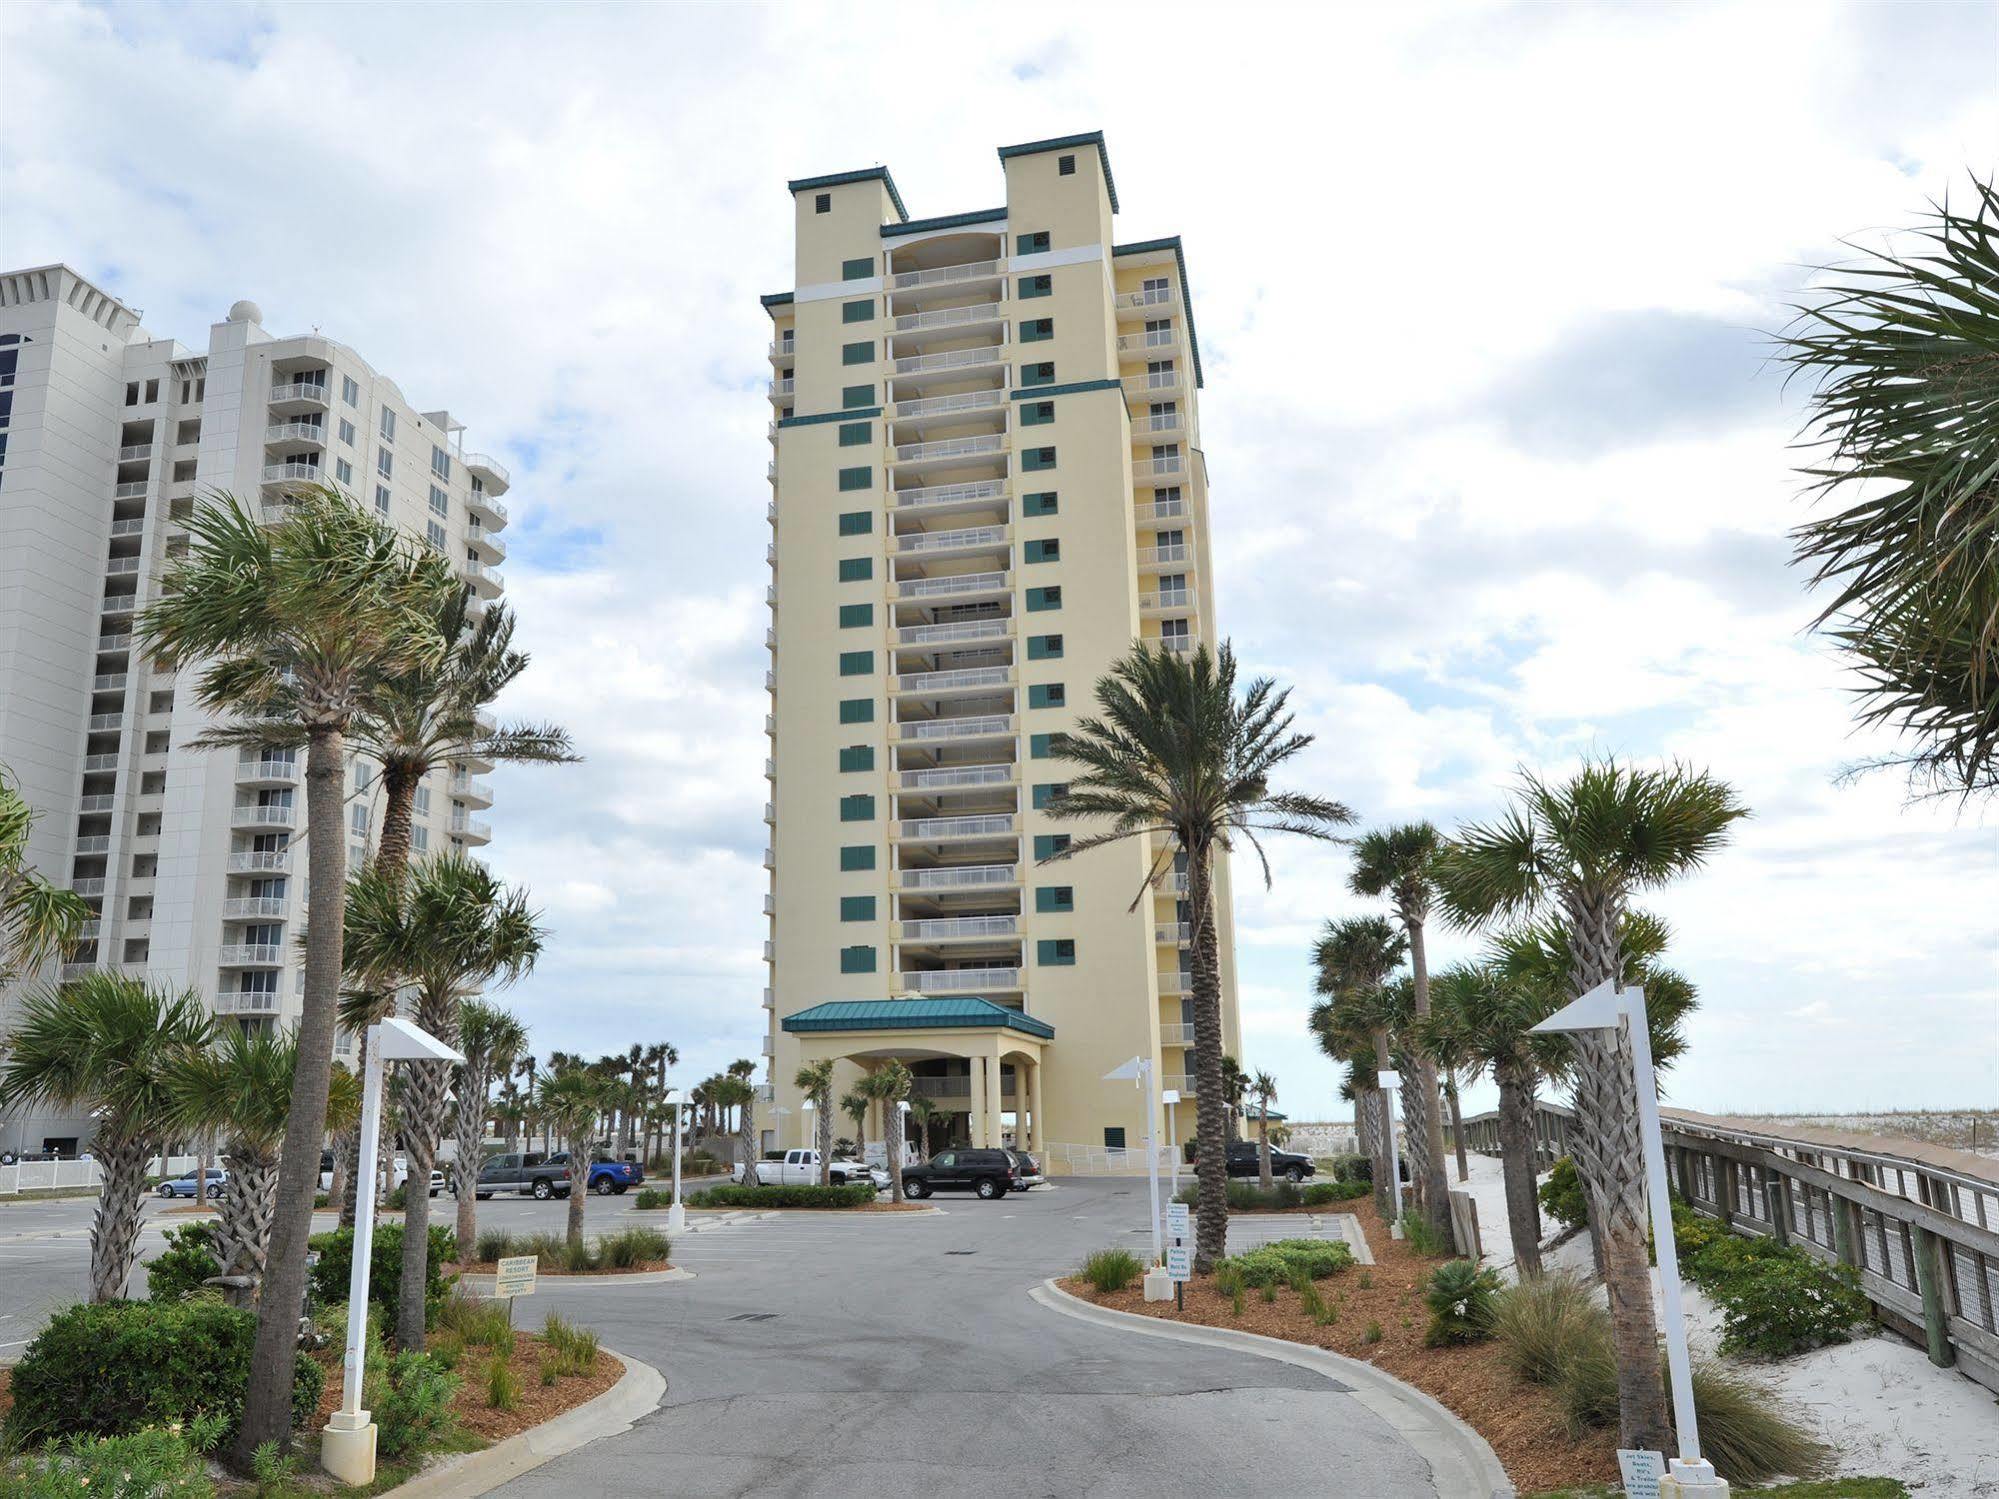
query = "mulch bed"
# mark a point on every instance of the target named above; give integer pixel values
(537, 1403)
(1521, 1421)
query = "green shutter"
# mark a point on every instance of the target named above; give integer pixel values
(1038, 374)
(854, 615)
(1037, 286)
(852, 479)
(856, 570)
(1040, 746)
(1031, 244)
(1056, 898)
(857, 908)
(1042, 503)
(857, 522)
(856, 857)
(858, 312)
(862, 960)
(1046, 845)
(1037, 413)
(860, 353)
(858, 808)
(857, 710)
(856, 663)
(1037, 330)
(857, 757)
(853, 397)
(1039, 599)
(1035, 459)
(1044, 647)
(857, 270)
(855, 434)
(1048, 549)
(1056, 952)
(1046, 695)
(1049, 792)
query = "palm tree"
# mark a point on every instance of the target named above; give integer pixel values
(1177, 755)
(570, 1102)
(923, 1110)
(490, 1039)
(1900, 350)
(106, 1044)
(815, 1081)
(1264, 1086)
(1235, 1088)
(451, 930)
(1354, 958)
(855, 1106)
(38, 920)
(731, 1092)
(888, 1085)
(1577, 851)
(1395, 862)
(343, 1111)
(295, 623)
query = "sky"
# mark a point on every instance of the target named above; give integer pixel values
(1502, 470)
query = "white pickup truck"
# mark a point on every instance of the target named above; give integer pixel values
(800, 1168)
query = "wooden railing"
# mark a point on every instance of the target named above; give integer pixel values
(1919, 1222)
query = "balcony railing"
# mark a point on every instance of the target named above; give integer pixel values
(945, 681)
(95, 843)
(1176, 1033)
(1151, 338)
(971, 629)
(1161, 510)
(1179, 1082)
(944, 275)
(952, 541)
(784, 387)
(120, 603)
(953, 928)
(960, 877)
(1171, 598)
(264, 816)
(132, 489)
(253, 907)
(950, 494)
(102, 723)
(964, 402)
(300, 390)
(470, 827)
(963, 775)
(1153, 380)
(948, 317)
(1156, 468)
(89, 887)
(923, 588)
(117, 641)
(247, 1002)
(109, 681)
(121, 567)
(251, 955)
(130, 527)
(470, 786)
(1173, 934)
(259, 861)
(132, 452)
(1164, 421)
(1150, 296)
(1154, 556)
(102, 762)
(951, 359)
(961, 980)
(978, 726)
(985, 826)
(951, 447)
(1180, 645)
(89, 804)
(259, 769)
(275, 473)
(295, 432)
(1173, 884)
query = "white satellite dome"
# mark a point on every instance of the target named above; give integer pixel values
(246, 311)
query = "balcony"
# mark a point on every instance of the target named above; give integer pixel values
(93, 843)
(959, 776)
(471, 828)
(1167, 601)
(1158, 512)
(952, 450)
(961, 877)
(311, 432)
(978, 492)
(1171, 884)
(966, 538)
(977, 314)
(254, 908)
(488, 508)
(132, 452)
(117, 641)
(281, 473)
(1153, 383)
(961, 980)
(770, 951)
(770, 769)
(1176, 1033)
(965, 403)
(952, 586)
(259, 861)
(491, 473)
(978, 726)
(984, 357)
(770, 858)
(130, 527)
(69, 973)
(785, 347)
(264, 816)
(943, 829)
(770, 905)
(1151, 558)
(89, 805)
(109, 681)
(132, 489)
(102, 762)
(1173, 934)
(484, 577)
(88, 888)
(945, 275)
(1151, 428)
(104, 723)
(251, 955)
(1180, 645)
(1142, 301)
(1159, 468)
(1148, 344)
(471, 788)
(999, 628)
(964, 679)
(770, 1000)
(1178, 1082)
(784, 389)
(960, 928)
(770, 811)
(119, 603)
(247, 1002)
(261, 772)
(121, 567)
(307, 392)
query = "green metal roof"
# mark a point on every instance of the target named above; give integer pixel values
(1063, 143)
(1172, 242)
(841, 179)
(948, 221)
(775, 299)
(915, 1014)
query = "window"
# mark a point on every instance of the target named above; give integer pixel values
(854, 616)
(1031, 244)
(858, 808)
(1039, 599)
(1046, 793)
(1037, 286)
(856, 397)
(1037, 413)
(343, 471)
(1038, 374)
(1044, 746)
(385, 462)
(347, 432)
(1048, 549)
(1036, 459)
(1047, 695)
(1047, 845)
(862, 311)
(1055, 898)
(350, 392)
(1044, 647)
(857, 908)
(856, 569)
(852, 479)
(857, 960)
(855, 434)
(856, 523)
(382, 498)
(857, 757)
(1065, 166)
(440, 502)
(420, 839)
(857, 857)
(1037, 330)
(856, 270)
(388, 424)
(857, 710)
(1056, 952)
(357, 818)
(856, 663)
(1038, 504)
(1113, 1137)
(860, 353)
(822, 202)
(1174, 629)
(434, 534)
(152, 391)
(421, 801)
(132, 393)
(440, 463)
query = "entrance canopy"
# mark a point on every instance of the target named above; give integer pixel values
(958, 1011)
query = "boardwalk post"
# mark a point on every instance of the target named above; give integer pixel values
(1777, 1193)
(1845, 1230)
(1930, 1281)
(1724, 1189)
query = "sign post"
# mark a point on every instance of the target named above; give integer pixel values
(514, 1276)
(1389, 1082)
(1139, 1070)
(347, 1446)
(1179, 1253)
(1606, 1007)
(676, 1215)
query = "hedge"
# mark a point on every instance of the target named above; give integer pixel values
(857, 1194)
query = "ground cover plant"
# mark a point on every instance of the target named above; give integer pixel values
(1112, 1269)
(854, 1195)
(628, 1249)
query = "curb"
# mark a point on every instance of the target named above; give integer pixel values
(552, 1282)
(1461, 1461)
(617, 1410)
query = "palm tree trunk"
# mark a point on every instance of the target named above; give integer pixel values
(823, 1105)
(1386, 1187)
(348, 1149)
(336, 1186)
(579, 1179)
(892, 1137)
(267, 1412)
(1457, 1127)
(1263, 1147)
(472, 1084)
(1211, 1166)
(424, 1086)
(243, 1232)
(398, 816)
(1426, 1124)
(1516, 1159)
(746, 1142)
(114, 1231)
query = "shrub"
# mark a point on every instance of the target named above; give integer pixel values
(1420, 1236)
(116, 1369)
(854, 1195)
(385, 1270)
(652, 1197)
(1780, 1300)
(572, 1350)
(187, 1261)
(1542, 1323)
(145, 1463)
(503, 1388)
(1276, 1262)
(410, 1396)
(1562, 1195)
(1318, 1194)
(1112, 1269)
(1460, 1298)
(631, 1248)
(1247, 1196)
(1354, 1168)
(275, 1470)
(493, 1244)
(1748, 1434)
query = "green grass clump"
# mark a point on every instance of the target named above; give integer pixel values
(1420, 1236)
(1747, 1434)
(1274, 1263)
(1111, 1269)
(1372, 1334)
(1542, 1323)
(503, 1386)
(1229, 1283)
(630, 1248)
(572, 1350)
(482, 1324)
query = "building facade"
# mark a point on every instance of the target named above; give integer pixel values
(107, 437)
(987, 482)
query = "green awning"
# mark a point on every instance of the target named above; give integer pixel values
(957, 1012)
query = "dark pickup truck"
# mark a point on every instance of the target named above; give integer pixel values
(543, 1177)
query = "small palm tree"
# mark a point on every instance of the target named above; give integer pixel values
(1177, 755)
(855, 1106)
(1396, 862)
(888, 1085)
(738, 1093)
(1355, 958)
(38, 920)
(1235, 1088)
(106, 1045)
(1577, 852)
(452, 929)
(815, 1081)
(490, 1039)
(570, 1101)
(923, 1109)
(1264, 1086)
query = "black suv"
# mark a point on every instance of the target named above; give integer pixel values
(1289, 1165)
(990, 1173)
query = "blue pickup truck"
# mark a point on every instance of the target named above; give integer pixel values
(543, 1177)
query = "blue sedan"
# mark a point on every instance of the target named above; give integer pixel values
(183, 1186)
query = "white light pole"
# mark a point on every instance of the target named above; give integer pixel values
(1389, 1083)
(1170, 1097)
(1139, 1070)
(676, 1215)
(1606, 1007)
(347, 1446)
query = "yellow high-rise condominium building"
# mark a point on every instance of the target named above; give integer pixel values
(987, 482)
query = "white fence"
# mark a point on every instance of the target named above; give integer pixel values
(58, 1176)
(1101, 1160)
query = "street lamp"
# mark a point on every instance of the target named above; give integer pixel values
(1170, 1097)
(347, 1446)
(676, 1216)
(1139, 1070)
(1389, 1082)
(1605, 1008)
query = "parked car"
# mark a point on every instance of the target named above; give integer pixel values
(1288, 1164)
(184, 1186)
(800, 1168)
(990, 1173)
(543, 1177)
(1030, 1172)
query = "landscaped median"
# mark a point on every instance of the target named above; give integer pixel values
(858, 1197)
(629, 1251)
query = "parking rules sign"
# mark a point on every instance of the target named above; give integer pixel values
(1176, 1220)
(1641, 1472)
(1179, 1262)
(514, 1276)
